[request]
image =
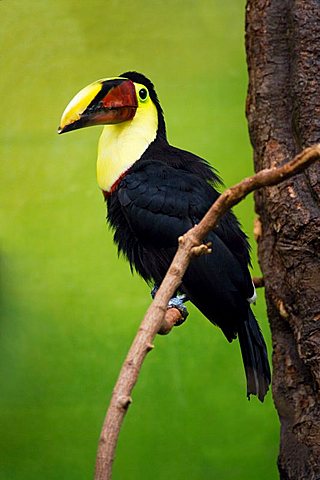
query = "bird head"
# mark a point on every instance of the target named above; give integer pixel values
(112, 101)
(129, 109)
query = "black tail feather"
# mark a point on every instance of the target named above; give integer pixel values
(255, 358)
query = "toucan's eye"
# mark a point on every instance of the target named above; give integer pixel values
(143, 94)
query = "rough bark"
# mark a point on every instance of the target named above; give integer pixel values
(283, 110)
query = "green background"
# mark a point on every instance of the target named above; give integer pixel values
(69, 307)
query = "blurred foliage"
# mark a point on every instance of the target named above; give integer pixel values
(69, 307)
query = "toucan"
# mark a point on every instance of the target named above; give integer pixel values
(155, 192)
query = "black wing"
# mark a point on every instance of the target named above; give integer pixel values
(160, 203)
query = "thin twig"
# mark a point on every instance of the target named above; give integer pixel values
(172, 317)
(258, 282)
(154, 318)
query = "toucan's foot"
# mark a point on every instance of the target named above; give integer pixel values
(154, 291)
(178, 303)
(175, 302)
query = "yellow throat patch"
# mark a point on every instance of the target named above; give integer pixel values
(121, 145)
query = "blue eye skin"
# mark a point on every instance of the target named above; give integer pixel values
(143, 93)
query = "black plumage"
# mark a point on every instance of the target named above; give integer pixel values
(160, 197)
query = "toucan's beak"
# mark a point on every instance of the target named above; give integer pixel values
(104, 102)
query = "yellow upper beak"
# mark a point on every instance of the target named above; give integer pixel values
(78, 105)
(104, 102)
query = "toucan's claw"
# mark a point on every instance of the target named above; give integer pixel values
(154, 291)
(175, 302)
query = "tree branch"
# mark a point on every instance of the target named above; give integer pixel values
(157, 317)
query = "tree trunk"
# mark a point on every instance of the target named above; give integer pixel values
(283, 110)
